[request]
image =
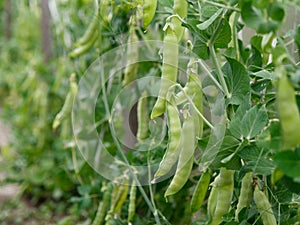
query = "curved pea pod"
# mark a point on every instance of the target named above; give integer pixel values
(68, 104)
(149, 8)
(200, 192)
(288, 112)
(225, 194)
(132, 57)
(169, 71)
(213, 198)
(90, 31)
(186, 157)
(81, 49)
(180, 8)
(103, 206)
(173, 148)
(264, 207)
(143, 118)
(245, 194)
(131, 207)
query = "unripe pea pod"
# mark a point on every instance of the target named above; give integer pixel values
(123, 196)
(143, 118)
(194, 90)
(119, 196)
(200, 191)
(169, 71)
(103, 206)
(264, 207)
(180, 8)
(225, 194)
(132, 55)
(81, 49)
(186, 157)
(149, 8)
(213, 198)
(288, 111)
(245, 194)
(68, 104)
(90, 31)
(173, 148)
(131, 207)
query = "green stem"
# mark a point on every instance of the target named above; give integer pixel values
(221, 5)
(195, 108)
(235, 37)
(210, 75)
(219, 70)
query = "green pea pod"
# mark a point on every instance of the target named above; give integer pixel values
(169, 71)
(172, 152)
(213, 198)
(132, 56)
(80, 50)
(149, 8)
(288, 111)
(200, 191)
(225, 194)
(90, 31)
(186, 157)
(180, 8)
(143, 118)
(103, 206)
(131, 207)
(264, 207)
(194, 90)
(245, 194)
(68, 104)
(123, 196)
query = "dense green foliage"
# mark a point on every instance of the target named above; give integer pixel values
(228, 116)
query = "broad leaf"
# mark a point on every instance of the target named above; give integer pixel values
(207, 23)
(235, 124)
(288, 162)
(254, 121)
(237, 80)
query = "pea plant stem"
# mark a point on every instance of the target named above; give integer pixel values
(219, 70)
(235, 36)
(210, 75)
(106, 106)
(221, 5)
(214, 55)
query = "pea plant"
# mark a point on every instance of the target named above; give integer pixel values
(228, 99)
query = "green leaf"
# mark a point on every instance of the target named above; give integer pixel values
(276, 11)
(235, 123)
(260, 166)
(256, 160)
(214, 144)
(224, 35)
(250, 153)
(263, 74)
(201, 49)
(207, 23)
(237, 80)
(297, 38)
(208, 10)
(254, 121)
(251, 15)
(288, 162)
(228, 147)
(270, 138)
